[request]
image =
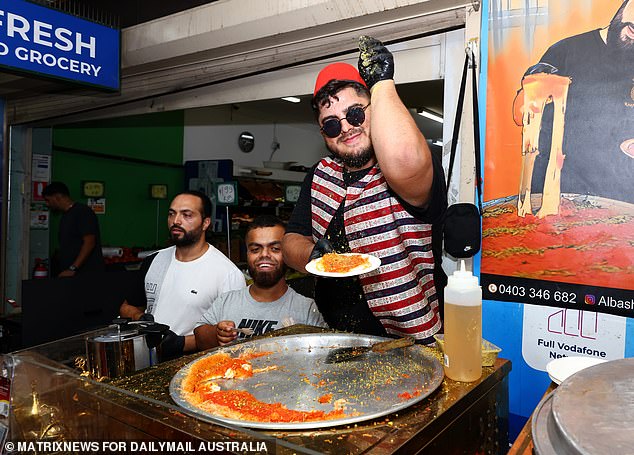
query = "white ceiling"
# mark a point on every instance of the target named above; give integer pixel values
(415, 96)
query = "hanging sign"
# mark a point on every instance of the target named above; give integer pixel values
(227, 193)
(41, 167)
(44, 41)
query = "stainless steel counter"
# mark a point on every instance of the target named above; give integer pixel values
(455, 418)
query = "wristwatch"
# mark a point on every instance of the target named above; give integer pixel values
(73, 268)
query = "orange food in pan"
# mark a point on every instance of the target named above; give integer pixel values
(202, 388)
(241, 405)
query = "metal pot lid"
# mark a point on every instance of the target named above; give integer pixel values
(127, 330)
(594, 409)
(115, 336)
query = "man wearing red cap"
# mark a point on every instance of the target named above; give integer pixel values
(380, 192)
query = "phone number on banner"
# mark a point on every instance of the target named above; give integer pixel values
(533, 293)
(619, 302)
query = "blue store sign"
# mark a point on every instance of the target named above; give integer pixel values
(47, 42)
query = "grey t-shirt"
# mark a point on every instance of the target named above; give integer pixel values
(238, 306)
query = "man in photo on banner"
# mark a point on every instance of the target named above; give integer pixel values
(595, 151)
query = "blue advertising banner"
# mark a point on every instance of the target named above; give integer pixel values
(47, 42)
(557, 263)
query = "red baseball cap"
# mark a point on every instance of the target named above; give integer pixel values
(339, 71)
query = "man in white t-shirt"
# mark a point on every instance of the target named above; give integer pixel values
(181, 282)
(268, 304)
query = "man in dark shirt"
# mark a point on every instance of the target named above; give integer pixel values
(598, 141)
(381, 192)
(79, 239)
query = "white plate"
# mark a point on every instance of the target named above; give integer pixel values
(562, 368)
(375, 263)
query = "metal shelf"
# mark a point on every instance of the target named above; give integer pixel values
(263, 173)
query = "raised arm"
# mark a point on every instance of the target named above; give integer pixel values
(399, 146)
(296, 249)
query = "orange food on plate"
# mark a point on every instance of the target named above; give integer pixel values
(341, 263)
(327, 398)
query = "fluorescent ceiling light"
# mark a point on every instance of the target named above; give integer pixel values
(431, 116)
(292, 99)
(438, 143)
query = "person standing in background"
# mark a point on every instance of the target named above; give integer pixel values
(79, 237)
(598, 119)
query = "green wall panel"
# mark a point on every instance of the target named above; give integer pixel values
(132, 219)
(157, 137)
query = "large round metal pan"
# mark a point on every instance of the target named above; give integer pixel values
(594, 408)
(373, 385)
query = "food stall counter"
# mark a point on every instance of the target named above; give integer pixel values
(53, 398)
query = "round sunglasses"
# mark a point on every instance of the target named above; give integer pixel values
(355, 117)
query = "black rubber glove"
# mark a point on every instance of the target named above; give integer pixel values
(171, 347)
(376, 63)
(153, 332)
(148, 317)
(322, 247)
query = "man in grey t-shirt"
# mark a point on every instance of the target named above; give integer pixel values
(268, 304)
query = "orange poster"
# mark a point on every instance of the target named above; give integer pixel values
(558, 226)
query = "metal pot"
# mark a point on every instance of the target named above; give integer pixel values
(122, 349)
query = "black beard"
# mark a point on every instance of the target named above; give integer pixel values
(188, 239)
(357, 161)
(615, 42)
(267, 280)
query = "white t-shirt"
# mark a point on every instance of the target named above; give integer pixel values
(185, 290)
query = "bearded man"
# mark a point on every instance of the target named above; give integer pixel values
(181, 282)
(381, 192)
(598, 142)
(267, 304)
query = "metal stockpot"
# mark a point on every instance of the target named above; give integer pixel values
(122, 349)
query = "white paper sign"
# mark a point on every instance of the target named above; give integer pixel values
(550, 333)
(39, 219)
(98, 205)
(41, 168)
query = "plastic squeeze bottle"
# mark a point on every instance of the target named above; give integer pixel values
(463, 326)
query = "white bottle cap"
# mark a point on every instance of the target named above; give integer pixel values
(463, 278)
